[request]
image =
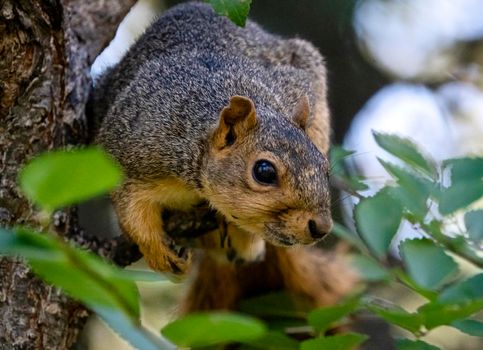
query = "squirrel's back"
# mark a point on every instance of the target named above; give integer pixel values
(168, 90)
(193, 26)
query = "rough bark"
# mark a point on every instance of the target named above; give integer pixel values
(46, 48)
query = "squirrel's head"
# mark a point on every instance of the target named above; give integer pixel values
(264, 174)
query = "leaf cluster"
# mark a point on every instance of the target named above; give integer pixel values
(437, 200)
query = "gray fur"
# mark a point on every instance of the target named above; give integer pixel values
(157, 109)
(161, 101)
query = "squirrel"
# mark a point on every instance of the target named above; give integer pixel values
(200, 109)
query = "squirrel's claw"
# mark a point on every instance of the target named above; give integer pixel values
(170, 258)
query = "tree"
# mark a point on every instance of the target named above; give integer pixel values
(47, 48)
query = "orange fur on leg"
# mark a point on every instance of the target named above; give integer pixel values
(139, 206)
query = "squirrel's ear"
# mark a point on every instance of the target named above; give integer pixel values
(302, 112)
(236, 120)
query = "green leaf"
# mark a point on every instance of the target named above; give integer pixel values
(471, 327)
(467, 291)
(456, 302)
(377, 220)
(410, 283)
(369, 269)
(82, 275)
(236, 10)
(102, 287)
(407, 151)
(427, 264)
(344, 233)
(399, 317)
(323, 318)
(143, 276)
(132, 331)
(339, 175)
(413, 192)
(348, 183)
(466, 184)
(460, 195)
(436, 314)
(337, 155)
(474, 224)
(276, 304)
(60, 178)
(274, 341)
(406, 344)
(204, 329)
(281, 324)
(464, 169)
(336, 342)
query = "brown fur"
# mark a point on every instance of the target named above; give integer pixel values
(321, 277)
(139, 205)
(251, 206)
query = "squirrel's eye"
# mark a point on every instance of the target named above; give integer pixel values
(264, 172)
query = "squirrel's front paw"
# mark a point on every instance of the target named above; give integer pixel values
(170, 259)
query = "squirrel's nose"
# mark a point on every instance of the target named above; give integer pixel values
(319, 227)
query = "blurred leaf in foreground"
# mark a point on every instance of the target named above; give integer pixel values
(369, 269)
(323, 318)
(336, 342)
(273, 341)
(210, 328)
(60, 178)
(398, 316)
(100, 286)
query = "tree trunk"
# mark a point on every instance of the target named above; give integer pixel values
(46, 49)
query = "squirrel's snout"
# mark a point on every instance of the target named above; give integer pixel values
(304, 227)
(319, 226)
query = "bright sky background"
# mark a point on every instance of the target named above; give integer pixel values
(410, 38)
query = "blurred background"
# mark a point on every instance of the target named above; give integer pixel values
(410, 67)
